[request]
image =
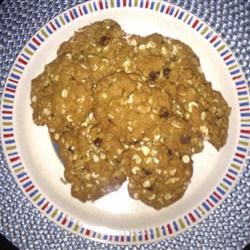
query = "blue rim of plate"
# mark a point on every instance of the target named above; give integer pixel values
(169, 228)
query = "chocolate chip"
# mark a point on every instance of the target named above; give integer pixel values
(185, 139)
(71, 149)
(147, 172)
(163, 112)
(153, 75)
(170, 154)
(104, 40)
(134, 143)
(150, 188)
(97, 142)
(166, 72)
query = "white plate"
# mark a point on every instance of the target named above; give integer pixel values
(116, 218)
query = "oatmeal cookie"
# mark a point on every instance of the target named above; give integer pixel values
(123, 106)
(98, 48)
(157, 175)
(90, 163)
(176, 70)
(127, 106)
(62, 95)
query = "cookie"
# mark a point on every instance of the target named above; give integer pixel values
(123, 106)
(90, 163)
(98, 48)
(157, 175)
(62, 96)
(126, 105)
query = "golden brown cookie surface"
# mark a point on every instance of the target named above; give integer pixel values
(89, 157)
(129, 107)
(157, 176)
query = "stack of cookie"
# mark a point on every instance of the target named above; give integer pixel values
(125, 107)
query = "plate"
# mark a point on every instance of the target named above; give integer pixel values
(116, 218)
